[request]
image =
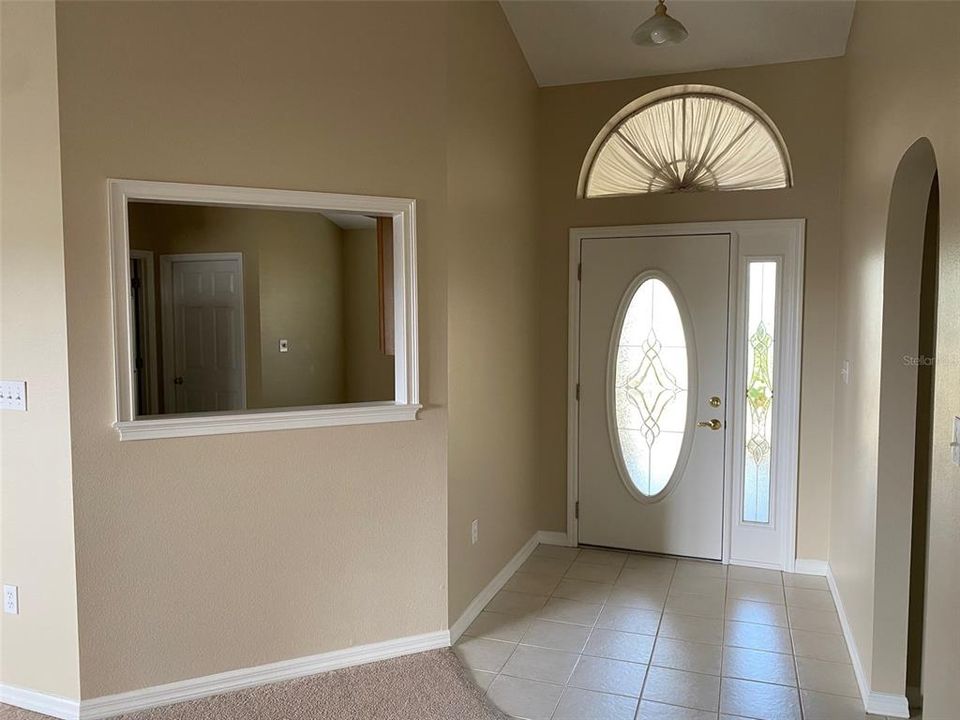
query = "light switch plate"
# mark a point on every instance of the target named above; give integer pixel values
(845, 372)
(284, 345)
(13, 395)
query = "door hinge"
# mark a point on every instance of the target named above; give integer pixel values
(578, 392)
(579, 271)
(576, 509)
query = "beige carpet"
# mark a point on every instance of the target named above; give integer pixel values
(425, 686)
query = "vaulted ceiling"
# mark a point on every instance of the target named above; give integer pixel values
(568, 42)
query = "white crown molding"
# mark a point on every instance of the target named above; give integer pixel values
(51, 705)
(876, 703)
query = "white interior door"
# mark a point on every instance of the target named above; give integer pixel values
(652, 411)
(203, 333)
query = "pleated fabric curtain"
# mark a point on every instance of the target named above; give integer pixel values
(688, 144)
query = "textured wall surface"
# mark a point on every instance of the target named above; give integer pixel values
(494, 275)
(38, 647)
(897, 92)
(200, 555)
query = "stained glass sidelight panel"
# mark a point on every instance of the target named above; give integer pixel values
(761, 318)
(651, 382)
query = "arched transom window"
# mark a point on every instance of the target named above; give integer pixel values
(686, 139)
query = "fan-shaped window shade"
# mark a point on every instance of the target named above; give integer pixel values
(686, 143)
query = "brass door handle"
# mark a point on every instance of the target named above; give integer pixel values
(712, 424)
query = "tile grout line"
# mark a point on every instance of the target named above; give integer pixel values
(723, 635)
(594, 627)
(793, 649)
(523, 634)
(674, 576)
(656, 637)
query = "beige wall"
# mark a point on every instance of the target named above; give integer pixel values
(369, 372)
(305, 280)
(302, 300)
(898, 90)
(200, 555)
(804, 100)
(259, 532)
(164, 229)
(38, 647)
(493, 286)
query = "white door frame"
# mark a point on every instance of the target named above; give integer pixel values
(166, 320)
(150, 300)
(749, 240)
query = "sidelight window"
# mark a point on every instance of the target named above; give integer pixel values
(761, 337)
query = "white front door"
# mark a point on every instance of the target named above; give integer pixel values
(203, 333)
(652, 411)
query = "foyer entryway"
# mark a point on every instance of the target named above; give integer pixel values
(684, 389)
(584, 634)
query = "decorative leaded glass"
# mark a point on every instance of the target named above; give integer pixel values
(650, 392)
(761, 316)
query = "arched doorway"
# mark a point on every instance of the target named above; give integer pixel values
(923, 446)
(908, 339)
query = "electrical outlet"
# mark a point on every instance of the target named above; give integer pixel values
(13, 395)
(11, 600)
(284, 345)
(474, 532)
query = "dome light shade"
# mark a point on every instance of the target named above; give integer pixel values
(661, 29)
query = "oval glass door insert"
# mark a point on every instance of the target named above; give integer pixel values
(651, 387)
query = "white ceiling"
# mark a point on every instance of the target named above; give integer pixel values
(572, 41)
(349, 220)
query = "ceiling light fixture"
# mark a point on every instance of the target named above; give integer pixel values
(661, 29)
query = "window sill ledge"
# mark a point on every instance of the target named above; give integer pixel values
(259, 421)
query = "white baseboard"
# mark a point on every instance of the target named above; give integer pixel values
(551, 537)
(52, 705)
(888, 704)
(755, 564)
(110, 705)
(494, 586)
(876, 703)
(811, 567)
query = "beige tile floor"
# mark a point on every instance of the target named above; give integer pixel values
(584, 634)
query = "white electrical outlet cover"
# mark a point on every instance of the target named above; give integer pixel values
(13, 395)
(11, 600)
